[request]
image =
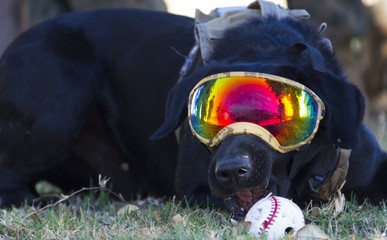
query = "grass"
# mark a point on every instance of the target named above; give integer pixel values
(92, 217)
(357, 221)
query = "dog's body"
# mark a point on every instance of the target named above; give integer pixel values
(81, 94)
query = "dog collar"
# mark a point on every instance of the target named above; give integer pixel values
(336, 181)
(211, 27)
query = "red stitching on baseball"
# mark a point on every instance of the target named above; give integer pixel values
(273, 214)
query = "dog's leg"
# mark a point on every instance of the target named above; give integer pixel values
(377, 188)
(192, 171)
(367, 170)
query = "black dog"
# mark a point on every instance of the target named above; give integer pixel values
(81, 94)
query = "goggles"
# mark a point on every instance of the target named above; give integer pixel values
(282, 112)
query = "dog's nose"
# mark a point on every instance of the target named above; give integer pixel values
(233, 170)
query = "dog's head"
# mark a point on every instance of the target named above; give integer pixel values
(244, 166)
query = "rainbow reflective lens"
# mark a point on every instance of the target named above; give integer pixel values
(284, 113)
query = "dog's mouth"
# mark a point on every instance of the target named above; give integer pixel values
(241, 202)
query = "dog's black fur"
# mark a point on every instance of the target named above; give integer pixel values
(82, 93)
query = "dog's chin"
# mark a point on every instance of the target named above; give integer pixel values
(247, 197)
(243, 199)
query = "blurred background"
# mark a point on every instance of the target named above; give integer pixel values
(357, 29)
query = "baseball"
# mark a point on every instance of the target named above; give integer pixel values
(274, 217)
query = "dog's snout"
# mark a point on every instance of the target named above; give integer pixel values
(233, 170)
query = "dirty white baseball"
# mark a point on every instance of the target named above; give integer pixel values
(274, 217)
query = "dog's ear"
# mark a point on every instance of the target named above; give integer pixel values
(344, 102)
(344, 114)
(176, 106)
(347, 124)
